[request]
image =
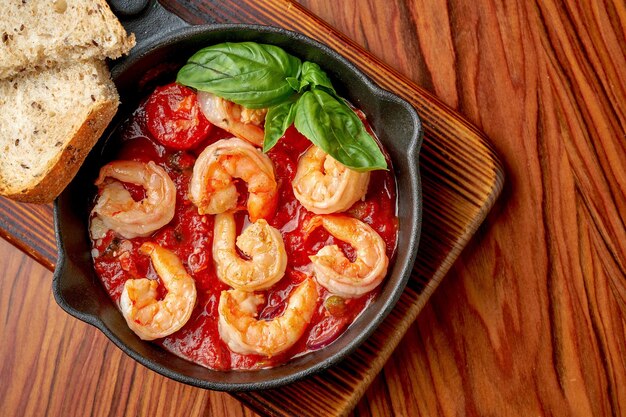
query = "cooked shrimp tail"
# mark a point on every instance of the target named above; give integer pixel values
(116, 208)
(334, 271)
(259, 241)
(244, 333)
(246, 124)
(148, 317)
(323, 185)
(212, 187)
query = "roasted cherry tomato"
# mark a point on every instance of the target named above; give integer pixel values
(174, 117)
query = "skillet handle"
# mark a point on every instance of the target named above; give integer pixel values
(147, 19)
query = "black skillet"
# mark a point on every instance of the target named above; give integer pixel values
(164, 44)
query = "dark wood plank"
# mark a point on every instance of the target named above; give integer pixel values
(30, 228)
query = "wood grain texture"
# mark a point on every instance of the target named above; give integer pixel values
(530, 319)
(55, 365)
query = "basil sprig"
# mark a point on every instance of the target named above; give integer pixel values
(265, 76)
(312, 75)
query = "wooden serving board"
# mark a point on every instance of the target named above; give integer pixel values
(461, 177)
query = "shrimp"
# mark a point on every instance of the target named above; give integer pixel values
(119, 212)
(151, 319)
(323, 185)
(240, 121)
(213, 190)
(334, 271)
(245, 334)
(260, 241)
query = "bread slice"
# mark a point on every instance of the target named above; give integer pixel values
(36, 34)
(49, 120)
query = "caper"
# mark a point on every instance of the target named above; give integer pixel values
(335, 305)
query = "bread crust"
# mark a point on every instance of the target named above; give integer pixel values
(60, 173)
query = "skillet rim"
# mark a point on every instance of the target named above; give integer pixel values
(412, 154)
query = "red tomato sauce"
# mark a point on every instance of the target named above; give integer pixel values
(189, 235)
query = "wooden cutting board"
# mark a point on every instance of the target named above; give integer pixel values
(461, 178)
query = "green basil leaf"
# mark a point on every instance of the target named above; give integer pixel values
(313, 75)
(250, 74)
(294, 83)
(277, 120)
(333, 126)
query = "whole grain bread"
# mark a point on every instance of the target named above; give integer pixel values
(37, 34)
(49, 120)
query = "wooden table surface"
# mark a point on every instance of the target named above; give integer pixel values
(530, 320)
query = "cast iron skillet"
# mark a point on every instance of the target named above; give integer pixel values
(78, 290)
